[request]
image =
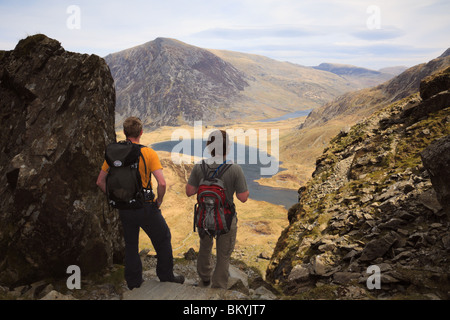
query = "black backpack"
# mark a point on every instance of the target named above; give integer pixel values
(213, 212)
(124, 188)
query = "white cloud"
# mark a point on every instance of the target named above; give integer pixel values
(305, 32)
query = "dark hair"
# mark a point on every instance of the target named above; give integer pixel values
(212, 138)
(132, 127)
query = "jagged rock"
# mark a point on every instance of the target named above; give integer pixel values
(322, 265)
(432, 85)
(429, 200)
(57, 111)
(190, 254)
(238, 280)
(3, 290)
(446, 241)
(35, 290)
(392, 224)
(378, 247)
(384, 209)
(55, 295)
(345, 277)
(262, 293)
(436, 159)
(299, 273)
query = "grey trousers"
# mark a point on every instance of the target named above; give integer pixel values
(205, 264)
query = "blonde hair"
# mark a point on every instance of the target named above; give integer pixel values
(132, 127)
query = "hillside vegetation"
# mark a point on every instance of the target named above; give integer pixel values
(371, 202)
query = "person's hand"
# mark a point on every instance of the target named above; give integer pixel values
(158, 203)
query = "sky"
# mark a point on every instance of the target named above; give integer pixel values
(372, 34)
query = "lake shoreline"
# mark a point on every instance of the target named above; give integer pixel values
(253, 172)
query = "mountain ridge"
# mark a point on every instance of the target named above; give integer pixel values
(152, 81)
(362, 103)
(361, 77)
(168, 82)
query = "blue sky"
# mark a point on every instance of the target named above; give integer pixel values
(372, 34)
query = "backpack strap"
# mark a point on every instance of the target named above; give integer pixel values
(221, 170)
(145, 166)
(204, 170)
(218, 172)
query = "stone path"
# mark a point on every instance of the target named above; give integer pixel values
(155, 290)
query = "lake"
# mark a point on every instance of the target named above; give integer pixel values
(278, 196)
(296, 114)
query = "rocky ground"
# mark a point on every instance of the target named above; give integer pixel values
(372, 202)
(244, 283)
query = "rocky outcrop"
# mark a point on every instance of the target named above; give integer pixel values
(372, 202)
(165, 81)
(436, 159)
(57, 111)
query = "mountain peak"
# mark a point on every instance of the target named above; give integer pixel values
(166, 81)
(169, 41)
(169, 82)
(445, 54)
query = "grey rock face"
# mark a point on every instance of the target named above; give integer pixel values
(57, 111)
(165, 80)
(436, 159)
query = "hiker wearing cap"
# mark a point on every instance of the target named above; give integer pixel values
(215, 181)
(138, 209)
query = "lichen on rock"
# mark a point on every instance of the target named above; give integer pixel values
(57, 112)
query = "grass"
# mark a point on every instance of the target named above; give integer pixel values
(419, 137)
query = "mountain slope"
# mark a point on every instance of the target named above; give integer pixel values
(305, 145)
(371, 202)
(165, 79)
(353, 106)
(283, 86)
(168, 82)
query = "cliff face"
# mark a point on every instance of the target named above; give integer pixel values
(166, 81)
(57, 111)
(372, 201)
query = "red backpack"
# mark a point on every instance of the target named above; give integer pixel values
(213, 213)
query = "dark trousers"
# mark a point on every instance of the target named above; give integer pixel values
(153, 223)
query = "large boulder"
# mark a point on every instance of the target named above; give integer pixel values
(436, 159)
(57, 113)
(435, 84)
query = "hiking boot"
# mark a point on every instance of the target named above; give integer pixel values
(178, 279)
(204, 284)
(136, 286)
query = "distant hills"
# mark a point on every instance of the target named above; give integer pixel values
(354, 106)
(361, 77)
(326, 121)
(168, 82)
